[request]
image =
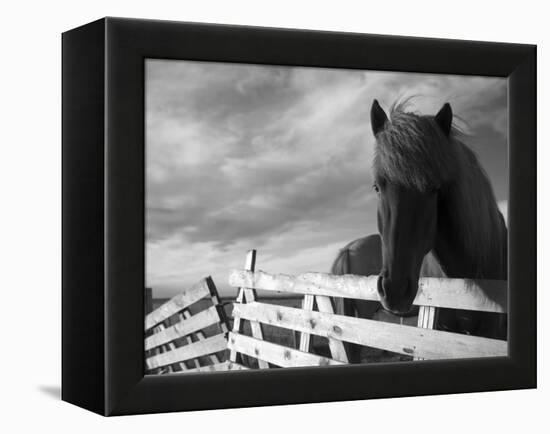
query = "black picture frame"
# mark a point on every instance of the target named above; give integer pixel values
(103, 216)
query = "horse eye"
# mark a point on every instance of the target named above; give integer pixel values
(375, 187)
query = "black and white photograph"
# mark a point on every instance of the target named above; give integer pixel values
(302, 216)
(275, 217)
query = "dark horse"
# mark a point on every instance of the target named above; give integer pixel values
(437, 215)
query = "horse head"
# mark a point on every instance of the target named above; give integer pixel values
(413, 160)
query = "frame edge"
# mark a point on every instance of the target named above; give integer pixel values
(83, 380)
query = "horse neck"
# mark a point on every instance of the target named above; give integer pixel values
(471, 239)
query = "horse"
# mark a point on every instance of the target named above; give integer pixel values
(437, 216)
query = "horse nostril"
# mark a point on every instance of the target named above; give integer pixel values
(396, 294)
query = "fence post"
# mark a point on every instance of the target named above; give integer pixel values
(305, 338)
(248, 295)
(337, 349)
(426, 319)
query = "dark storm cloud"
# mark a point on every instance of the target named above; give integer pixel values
(254, 159)
(249, 203)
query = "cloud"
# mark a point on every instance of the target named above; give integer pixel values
(278, 159)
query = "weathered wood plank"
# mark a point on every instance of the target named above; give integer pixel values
(255, 326)
(183, 328)
(223, 366)
(195, 362)
(276, 354)
(248, 295)
(480, 295)
(305, 338)
(249, 265)
(165, 348)
(192, 351)
(235, 366)
(337, 349)
(216, 367)
(183, 315)
(201, 337)
(412, 341)
(426, 319)
(430, 323)
(178, 303)
(421, 316)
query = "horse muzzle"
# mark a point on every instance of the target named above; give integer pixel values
(397, 295)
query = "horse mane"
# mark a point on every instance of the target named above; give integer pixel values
(410, 150)
(413, 151)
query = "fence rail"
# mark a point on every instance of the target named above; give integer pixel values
(276, 354)
(407, 340)
(204, 288)
(479, 295)
(185, 335)
(319, 289)
(177, 338)
(181, 329)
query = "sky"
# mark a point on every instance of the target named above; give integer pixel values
(278, 159)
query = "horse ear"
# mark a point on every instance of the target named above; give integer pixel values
(378, 117)
(444, 118)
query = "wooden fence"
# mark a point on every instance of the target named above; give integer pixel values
(188, 333)
(318, 289)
